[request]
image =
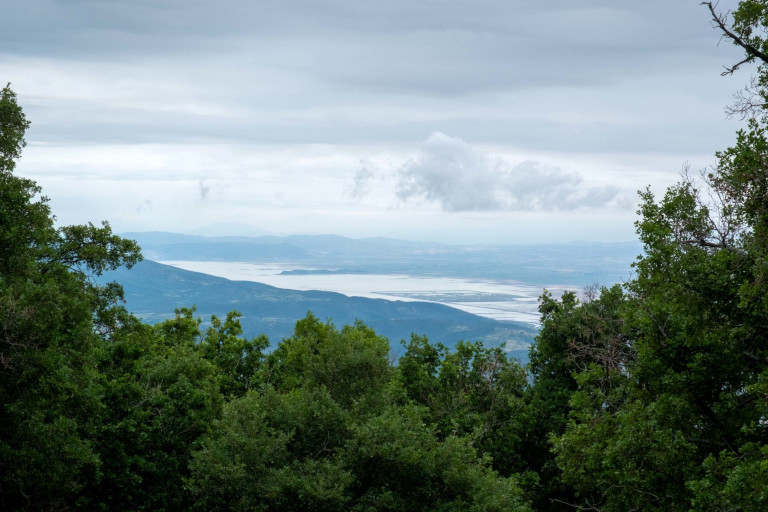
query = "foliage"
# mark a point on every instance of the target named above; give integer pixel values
(674, 418)
(473, 391)
(653, 397)
(238, 361)
(49, 345)
(325, 433)
(13, 126)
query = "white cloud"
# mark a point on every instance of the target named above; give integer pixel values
(460, 178)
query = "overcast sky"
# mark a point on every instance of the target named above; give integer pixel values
(464, 121)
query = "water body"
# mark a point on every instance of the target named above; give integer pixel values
(487, 298)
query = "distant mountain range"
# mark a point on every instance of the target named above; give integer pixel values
(153, 291)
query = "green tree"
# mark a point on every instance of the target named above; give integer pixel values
(162, 396)
(51, 317)
(681, 424)
(13, 126)
(576, 335)
(747, 29)
(352, 364)
(276, 451)
(400, 463)
(239, 362)
(647, 433)
(472, 391)
(326, 432)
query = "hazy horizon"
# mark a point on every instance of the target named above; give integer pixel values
(222, 231)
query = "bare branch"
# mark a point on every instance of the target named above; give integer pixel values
(729, 71)
(578, 507)
(749, 102)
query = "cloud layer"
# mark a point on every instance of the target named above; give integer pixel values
(275, 105)
(460, 178)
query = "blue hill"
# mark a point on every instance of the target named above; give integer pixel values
(153, 291)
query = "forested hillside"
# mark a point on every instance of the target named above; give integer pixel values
(651, 396)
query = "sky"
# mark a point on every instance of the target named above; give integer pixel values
(456, 121)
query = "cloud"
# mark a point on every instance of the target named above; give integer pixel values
(145, 206)
(460, 178)
(203, 189)
(365, 71)
(361, 184)
(290, 95)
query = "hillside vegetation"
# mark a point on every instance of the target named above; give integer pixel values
(652, 396)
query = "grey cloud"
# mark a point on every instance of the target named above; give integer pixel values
(272, 61)
(456, 47)
(460, 178)
(203, 189)
(145, 206)
(305, 71)
(361, 184)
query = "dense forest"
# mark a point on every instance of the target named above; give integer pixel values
(647, 396)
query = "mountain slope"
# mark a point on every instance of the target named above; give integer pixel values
(154, 290)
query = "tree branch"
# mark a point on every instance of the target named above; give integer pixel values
(729, 71)
(705, 243)
(753, 52)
